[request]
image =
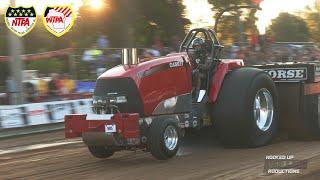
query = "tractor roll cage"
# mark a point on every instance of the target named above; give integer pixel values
(211, 41)
(210, 34)
(213, 45)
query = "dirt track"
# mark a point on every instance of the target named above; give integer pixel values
(198, 159)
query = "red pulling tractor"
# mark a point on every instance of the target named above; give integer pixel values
(149, 105)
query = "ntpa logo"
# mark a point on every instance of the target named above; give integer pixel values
(20, 20)
(58, 20)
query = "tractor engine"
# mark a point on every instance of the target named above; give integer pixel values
(112, 96)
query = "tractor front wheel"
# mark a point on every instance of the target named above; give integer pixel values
(164, 138)
(101, 151)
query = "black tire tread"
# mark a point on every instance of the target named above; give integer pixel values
(234, 127)
(100, 151)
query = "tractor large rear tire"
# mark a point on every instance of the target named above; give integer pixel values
(241, 107)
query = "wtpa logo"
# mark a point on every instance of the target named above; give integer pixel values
(58, 20)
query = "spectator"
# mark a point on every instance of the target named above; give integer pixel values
(102, 42)
(68, 85)
(54, 87)
(157, 44)
(92, 54)
(149, 53)
(234, 51)
(255, 42)
(42, 86)
(30, 91)
(94, 58)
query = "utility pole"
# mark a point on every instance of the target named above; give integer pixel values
(15, 62)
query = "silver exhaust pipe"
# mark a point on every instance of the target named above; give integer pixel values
(129, 56)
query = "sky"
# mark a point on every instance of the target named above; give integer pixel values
(198, 11)
(200, 14)
(272, 8)
(40, 5)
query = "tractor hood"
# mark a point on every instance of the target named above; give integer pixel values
(138, 70)
(146, 85)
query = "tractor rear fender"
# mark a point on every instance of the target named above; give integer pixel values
(223, 68)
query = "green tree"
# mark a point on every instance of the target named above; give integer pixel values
(290, 28)
(312, 18)
(222, 4)
(231, 24)
(141, 20)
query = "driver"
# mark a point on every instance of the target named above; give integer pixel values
(199, 58)
(199, 55)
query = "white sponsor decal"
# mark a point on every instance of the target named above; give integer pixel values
(99, 117)
(287, 74)
(110, 128)
(176, 64)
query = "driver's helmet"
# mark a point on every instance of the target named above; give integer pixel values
(197, 43)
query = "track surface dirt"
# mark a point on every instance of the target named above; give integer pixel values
(49, 156)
